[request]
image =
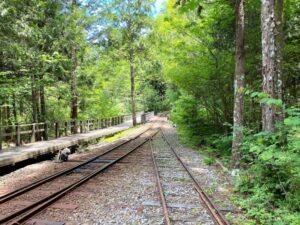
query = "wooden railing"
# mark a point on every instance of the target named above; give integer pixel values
(20, 134)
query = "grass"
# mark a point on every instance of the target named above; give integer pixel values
(118, 135)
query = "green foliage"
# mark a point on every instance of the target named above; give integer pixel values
(220, 144)
(36, 38)
(272, 180)
(208, 161)
(196, 54)
(191, 120)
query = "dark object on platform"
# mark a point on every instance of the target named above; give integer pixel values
(64, 155)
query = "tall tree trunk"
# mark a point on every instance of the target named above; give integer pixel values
(42, 102)
(269, 51)
(239, 84)
(74, 94)
(14, 108)
(279, 42)
(131, 63)
(132, 91)
(34, 99)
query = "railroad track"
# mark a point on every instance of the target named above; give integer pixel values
(215, 214)
(103, 162)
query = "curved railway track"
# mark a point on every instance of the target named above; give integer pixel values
(105, 160)
(215, 214)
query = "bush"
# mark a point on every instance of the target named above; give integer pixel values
(272, 178)
(191, 120)
(221, 143)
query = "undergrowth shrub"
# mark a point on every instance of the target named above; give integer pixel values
(221, 144)
(190, 119)
(271, 175)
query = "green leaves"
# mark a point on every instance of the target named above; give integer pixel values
(292, 121)
(271, 101)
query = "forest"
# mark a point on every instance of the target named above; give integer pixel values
(226, 71)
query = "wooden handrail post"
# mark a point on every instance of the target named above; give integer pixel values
(88, 125)
(33, 133)
(46, 131)
(18, 135)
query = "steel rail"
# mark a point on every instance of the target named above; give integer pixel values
(213, 210)
(37, 183)
(28, 212)
(160, 188)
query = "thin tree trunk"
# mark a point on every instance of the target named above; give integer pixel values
(14, 108)
(132, 92)
(42, 103)
(74, 92)
(34, 98)
(239, 84)
(74, 105)
(268, 62)
(131, 63)
(279, 42)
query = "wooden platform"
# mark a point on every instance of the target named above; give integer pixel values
(29, 151)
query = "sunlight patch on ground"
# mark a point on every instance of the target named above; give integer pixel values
(119, 135)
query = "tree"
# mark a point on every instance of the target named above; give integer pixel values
(239, 84)
(74, 64)
(268, 62)
(125, 23)
(279, 42)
